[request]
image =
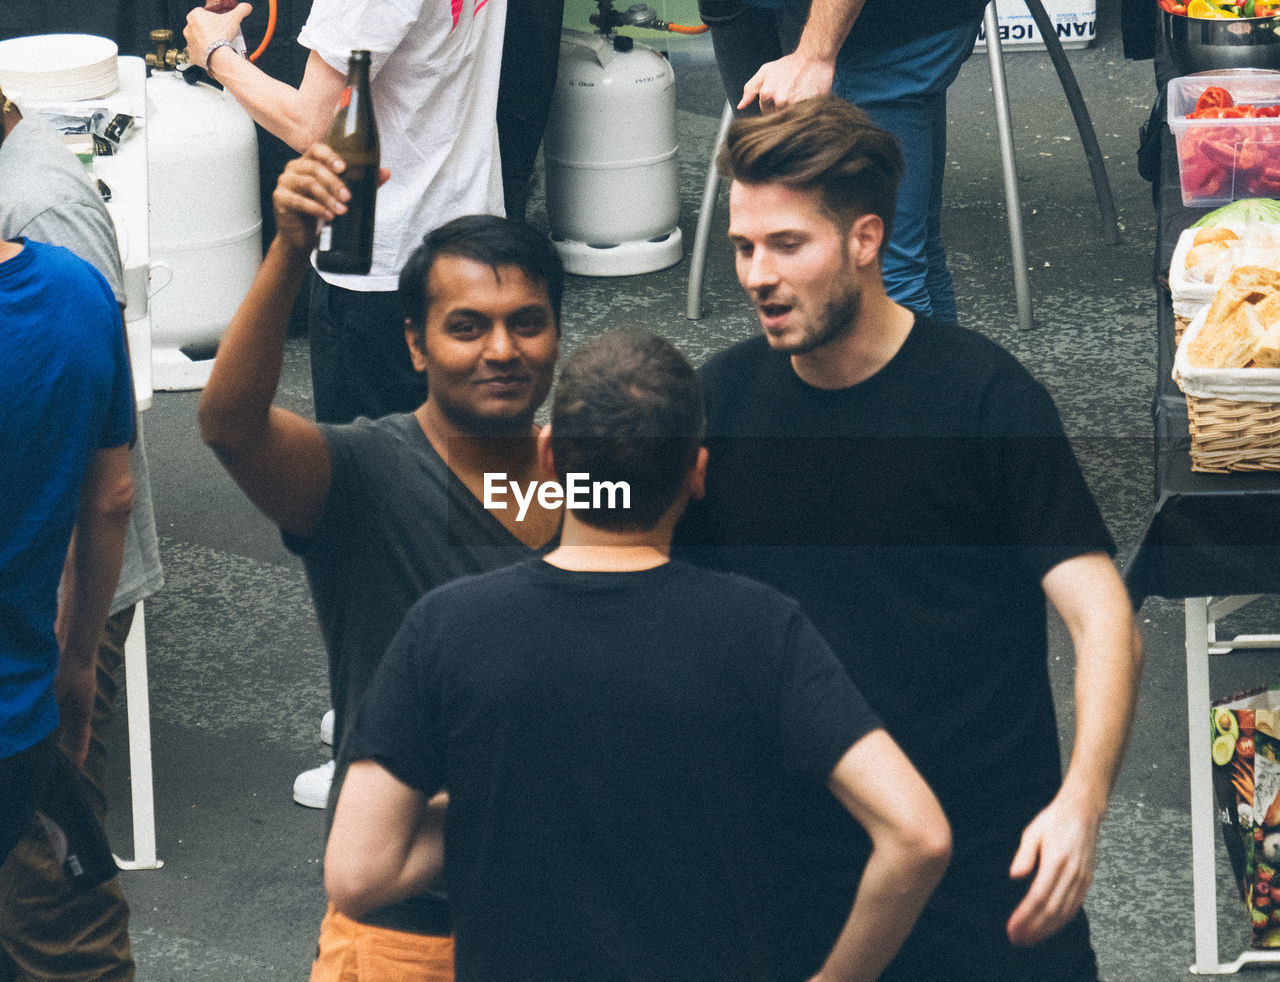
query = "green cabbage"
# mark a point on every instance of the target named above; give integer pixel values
(1246, 209)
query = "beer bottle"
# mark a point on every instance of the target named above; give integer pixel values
(346, 243)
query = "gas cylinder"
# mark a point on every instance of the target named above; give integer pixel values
(610, 151)
(205, 221)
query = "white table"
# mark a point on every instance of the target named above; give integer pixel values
(1202, 614)
(126, 175)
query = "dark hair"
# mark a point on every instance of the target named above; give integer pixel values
(823, 144)
(486, 239)
(628, 408)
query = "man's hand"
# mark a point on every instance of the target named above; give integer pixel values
(75, 688)
(311, 191)
(788, 80)
(203, 28)
(1061, 846)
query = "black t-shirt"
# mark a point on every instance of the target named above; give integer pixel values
(913, 517)
(616, 747)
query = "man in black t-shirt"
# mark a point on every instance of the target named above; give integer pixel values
(911, 486)
(618, 733)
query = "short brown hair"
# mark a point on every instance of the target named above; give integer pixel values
(823, 144)
(628, 409)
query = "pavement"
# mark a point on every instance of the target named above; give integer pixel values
(237, 671)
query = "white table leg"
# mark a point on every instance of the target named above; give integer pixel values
(144, 813)
(1203, 865)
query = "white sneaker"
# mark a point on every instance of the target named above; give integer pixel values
(326, 728)
(311, 789)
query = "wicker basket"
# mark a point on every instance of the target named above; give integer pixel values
(1233, 414)
(1180, 325)
(1233, 436)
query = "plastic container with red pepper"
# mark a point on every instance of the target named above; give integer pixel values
(1227, 129)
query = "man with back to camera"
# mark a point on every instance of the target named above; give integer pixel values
(67, 403)
(617, 733)
(383, 510)
(911, 486)
(49, 929)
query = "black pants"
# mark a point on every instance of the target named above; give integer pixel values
(530, 56)
(23, 778)
(360, 364)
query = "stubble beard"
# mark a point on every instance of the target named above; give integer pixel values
(834, 322)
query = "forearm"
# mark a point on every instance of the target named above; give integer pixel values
(92, 566)
(386, 843)
(891, 894)
(236, 403)
(910, 849)
(1108, 654)
(390, 871)
(810, 69)
(276, 106)
(829, 24)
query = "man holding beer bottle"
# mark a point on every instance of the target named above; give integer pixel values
(433, 81)
(381, 511)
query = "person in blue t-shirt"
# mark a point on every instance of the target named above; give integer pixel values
(66, 396)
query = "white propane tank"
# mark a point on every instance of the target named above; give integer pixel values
(205, 221)
(610, 151)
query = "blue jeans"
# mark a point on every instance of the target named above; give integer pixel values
(904, 90)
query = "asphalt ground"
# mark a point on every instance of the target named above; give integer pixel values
(236, 666)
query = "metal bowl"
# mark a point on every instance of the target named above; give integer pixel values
(1200, 45)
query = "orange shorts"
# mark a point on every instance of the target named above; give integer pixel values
(355, 952)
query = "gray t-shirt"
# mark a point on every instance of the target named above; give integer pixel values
(396, 525)
(45, 195)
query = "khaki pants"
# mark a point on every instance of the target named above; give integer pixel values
(355, 952)
(48, 929)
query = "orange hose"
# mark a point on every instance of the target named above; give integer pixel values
(271, 29)
(675, 28)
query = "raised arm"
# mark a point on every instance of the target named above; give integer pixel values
(387, 841)
(910, 849)
(88, 584)
(299, 117)
(279, 459)
(1061, 843)
(809, 70)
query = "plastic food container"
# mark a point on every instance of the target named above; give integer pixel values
(1220, 160)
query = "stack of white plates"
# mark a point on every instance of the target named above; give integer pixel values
(58, 67)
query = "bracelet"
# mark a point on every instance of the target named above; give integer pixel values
(214, 46)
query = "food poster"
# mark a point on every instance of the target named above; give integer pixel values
(1245, 731)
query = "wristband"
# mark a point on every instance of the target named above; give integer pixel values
(214, 46)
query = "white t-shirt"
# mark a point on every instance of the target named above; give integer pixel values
(435, 68)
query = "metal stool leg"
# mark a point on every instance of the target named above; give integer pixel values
(706, 215)
(1004, 125)
(1084, 125)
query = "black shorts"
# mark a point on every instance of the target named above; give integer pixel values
(23, 778)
